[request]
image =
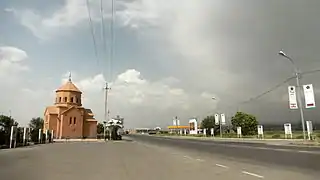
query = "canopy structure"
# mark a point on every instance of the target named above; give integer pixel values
(180, 127)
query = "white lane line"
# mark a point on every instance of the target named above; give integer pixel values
(200, 160)
(223, 166)
(187, 157)
(252, 174)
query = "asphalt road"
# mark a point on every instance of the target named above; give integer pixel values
(296, 158)
(134, 160)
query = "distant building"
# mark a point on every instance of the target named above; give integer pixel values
(67, 118)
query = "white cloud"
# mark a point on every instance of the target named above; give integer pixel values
(72, 13)
(11, 61)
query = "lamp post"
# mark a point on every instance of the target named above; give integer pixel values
(298, 76)
(220, 127)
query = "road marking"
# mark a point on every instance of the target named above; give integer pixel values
(252, 174)
(200, 160)
(187, 157)
(223, 166)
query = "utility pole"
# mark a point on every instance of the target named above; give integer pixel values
(106, 112)
(299, 89)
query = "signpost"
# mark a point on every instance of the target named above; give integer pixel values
(13, 136)
(52, 135)
(309, 129)
(260, 131)
(287, 130)
(40, 135)
(193, 126)
(212, 132)
(239, 133)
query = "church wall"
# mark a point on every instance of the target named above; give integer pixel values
(72, 124)
(93, 129)
(90, 129)
(53, 123)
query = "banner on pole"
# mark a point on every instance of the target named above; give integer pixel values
(216, 119)
(309, 96)
(223, 119)
(292, 97)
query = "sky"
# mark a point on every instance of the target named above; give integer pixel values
(170, 57)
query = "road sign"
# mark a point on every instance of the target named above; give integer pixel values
(223, 119)
(216, 119)
(309, 96)
(292, 97)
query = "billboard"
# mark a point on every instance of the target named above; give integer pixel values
(193, 126)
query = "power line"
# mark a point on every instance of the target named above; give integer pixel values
(268, 91)
(103, 31)
(262, 94)
(92, 32)
(276, 87)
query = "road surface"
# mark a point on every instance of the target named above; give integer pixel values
(301, 158)
(134, 160)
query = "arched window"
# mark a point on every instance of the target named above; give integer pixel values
(59, 99)
(71, 99)
(74, 120)
(77, 99)
(70, 121)
(65, 99)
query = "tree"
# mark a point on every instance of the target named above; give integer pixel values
(247, 122)
(100, 128)
(35, 124)
(6, 122)
(208, 123)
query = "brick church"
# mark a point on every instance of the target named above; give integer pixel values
(67, 118)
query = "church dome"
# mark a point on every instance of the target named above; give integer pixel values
(69, 87)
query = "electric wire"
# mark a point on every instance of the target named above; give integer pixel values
(92, 32)
(103, 34)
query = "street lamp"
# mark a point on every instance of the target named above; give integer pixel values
(298, 76)
(220, 127)
(104, 130)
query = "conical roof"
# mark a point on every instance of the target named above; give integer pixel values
(69, 86)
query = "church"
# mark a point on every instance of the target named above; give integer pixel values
(67, 118)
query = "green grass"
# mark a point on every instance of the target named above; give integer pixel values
(267, 135)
